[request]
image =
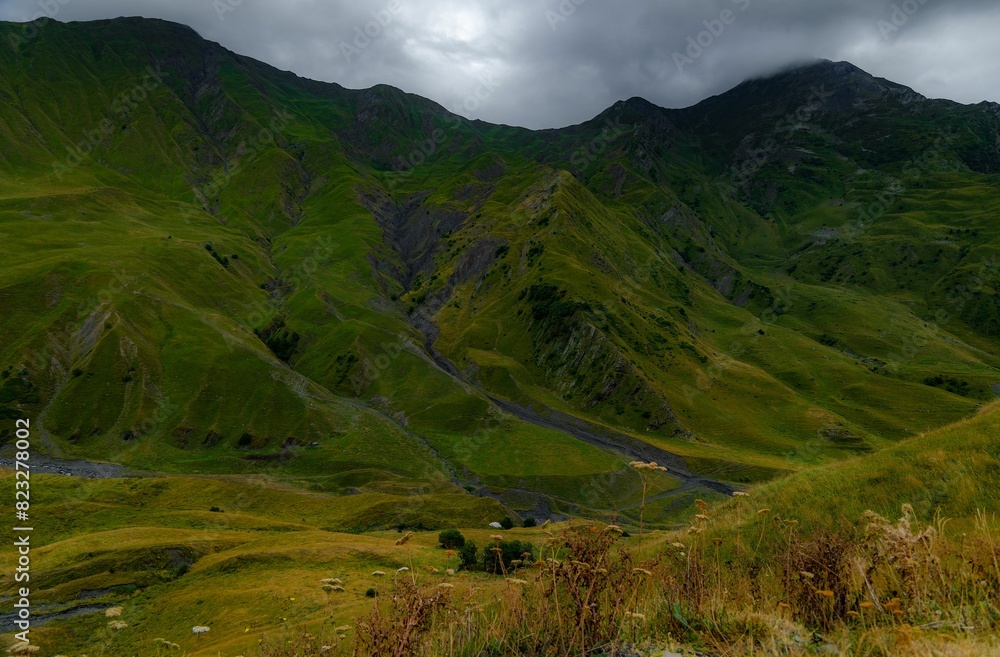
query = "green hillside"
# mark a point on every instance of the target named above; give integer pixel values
(951, 472)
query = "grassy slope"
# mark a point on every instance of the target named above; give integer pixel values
(951, 471)
(154, 339)
(155, 545)
(143, 350)
(136, 534)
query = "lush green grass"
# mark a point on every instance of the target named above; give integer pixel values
(156, 546)
(951, 472)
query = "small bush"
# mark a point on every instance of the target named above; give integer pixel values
(467, 556)
(498, 559)
(535, 251)
(506, 522)
(451, 539)
(278, 339)
(530, 522)
(397, 625)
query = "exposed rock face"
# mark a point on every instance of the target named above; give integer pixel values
(587, 369)
(411, 230)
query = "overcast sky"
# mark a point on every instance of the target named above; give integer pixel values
(550, 63)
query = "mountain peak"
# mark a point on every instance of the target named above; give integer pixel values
(846, 84)
(815, 67)
(822, 85)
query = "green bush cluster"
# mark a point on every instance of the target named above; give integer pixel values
(498, 559)
(278, 339)
(222, 260)
(550, 307)
(451, 539)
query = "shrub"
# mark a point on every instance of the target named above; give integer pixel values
(451, 539)
(550, 307)
(530, 522)
(506, 522)
(397, 625)
(467, 556)
(278, 339)
(498, 559)
(535, 251)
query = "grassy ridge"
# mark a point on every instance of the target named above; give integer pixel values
(951, 472)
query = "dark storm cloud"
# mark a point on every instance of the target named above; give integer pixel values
(543, 63)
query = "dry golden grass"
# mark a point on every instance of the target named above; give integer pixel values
(877, 589)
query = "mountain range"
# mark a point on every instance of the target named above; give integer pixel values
(214, 267)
